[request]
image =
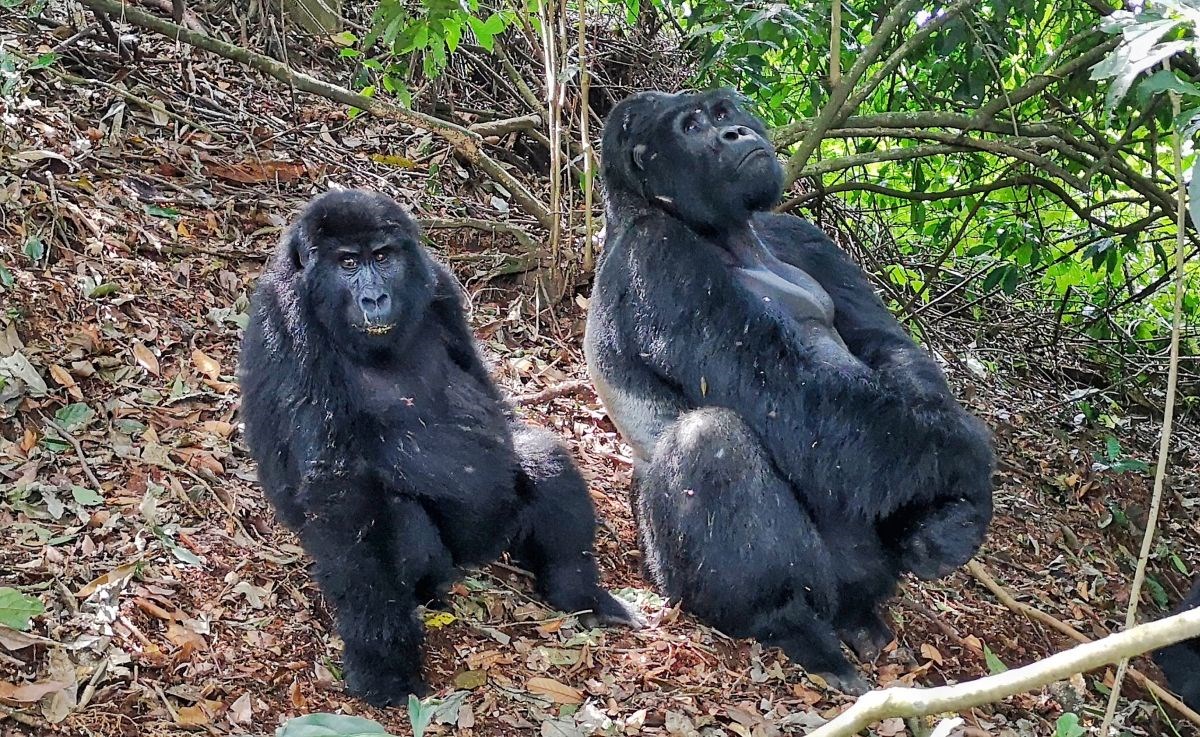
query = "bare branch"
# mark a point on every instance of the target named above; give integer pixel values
(897, 17)
(914, 702)
(464, 141)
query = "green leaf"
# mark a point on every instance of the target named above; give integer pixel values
(1009, 285)
(16, 609)
(331, 725)
(345, 38)
(1166, 81)
(103, 290)
(994, 663)
(169, 213)
(1158, 593)
(1112, 447)
(6, 277)
(1068, 726)
(43, 61)
(74, 415)
(86, 497)
(993, 278)
(1179, 564)
(35, 249)
(419, 715)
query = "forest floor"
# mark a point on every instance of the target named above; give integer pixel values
(130, 240)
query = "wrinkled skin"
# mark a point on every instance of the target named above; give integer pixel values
(795, 451)
(383, 442)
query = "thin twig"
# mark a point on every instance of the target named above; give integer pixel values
(1164, 446)
(981, 575)
(87, 469)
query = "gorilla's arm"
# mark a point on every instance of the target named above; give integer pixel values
(959, 510)
(697, 331)
(860, 317)
(447, 310)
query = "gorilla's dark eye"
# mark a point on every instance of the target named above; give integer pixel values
(381, 256)
(722, 112)
(691, 124)
(348, 262)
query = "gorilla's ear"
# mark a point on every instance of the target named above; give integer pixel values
(639, 151)
(297, 246)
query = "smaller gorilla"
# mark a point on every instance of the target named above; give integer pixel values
(1180, 662)
(382, 440)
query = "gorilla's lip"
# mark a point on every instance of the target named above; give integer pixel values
(749, 154)
(378, 329)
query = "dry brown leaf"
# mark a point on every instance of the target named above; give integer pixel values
(257, 172)
(891, 727)
(240, 711)
(931, 652)
(296, 696)
(558, 692)
(206, 365)
(122, 571)
(28, 693)
(145, 358)
(191, 716)
(63, 378)
(184, 637)
(213, 427)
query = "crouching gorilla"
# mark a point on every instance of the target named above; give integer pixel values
(1180, 662)
(795, 450)
(382, 440)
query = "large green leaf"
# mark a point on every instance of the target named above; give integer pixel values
(17, 609)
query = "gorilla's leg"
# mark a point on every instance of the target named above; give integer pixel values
(726, 535)
(867, 574)
(353, 538)
(557, 529)
(421, 560)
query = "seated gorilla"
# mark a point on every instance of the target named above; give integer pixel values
(382, 440)
(795, 450)
(1180, 662)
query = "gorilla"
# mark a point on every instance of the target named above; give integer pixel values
(382, 440)
(795, 451)
(1180, 662)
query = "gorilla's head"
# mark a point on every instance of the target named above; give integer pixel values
(359, 269)
(700, 157)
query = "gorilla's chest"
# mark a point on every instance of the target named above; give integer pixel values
(783, 289)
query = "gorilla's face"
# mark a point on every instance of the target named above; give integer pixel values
(698, 156)
(365, 278)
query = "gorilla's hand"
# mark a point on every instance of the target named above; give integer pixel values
(942, 539)
(381, 680)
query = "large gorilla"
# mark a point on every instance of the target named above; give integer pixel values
(1180, 662)
(382, 440)
(795, 450)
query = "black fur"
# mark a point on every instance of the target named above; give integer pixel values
(1180, 662)
(795, 450)
(382, 440)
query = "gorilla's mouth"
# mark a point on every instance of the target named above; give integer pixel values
(377, 329)
(752, 153)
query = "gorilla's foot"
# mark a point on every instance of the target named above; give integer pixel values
(867, 636)
(380, 680)
(848, 683)
(608, 610)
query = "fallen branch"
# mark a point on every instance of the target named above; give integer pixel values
(491, 226)
(508, 125)
(566, 388)
(914, 702)
(465, 142)
(1162, 694)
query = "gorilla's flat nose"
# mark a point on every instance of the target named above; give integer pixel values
(735, 133)
(374, 304)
